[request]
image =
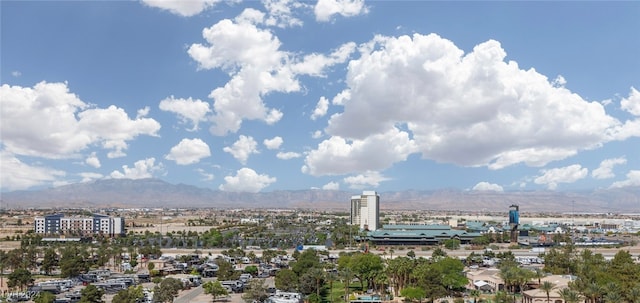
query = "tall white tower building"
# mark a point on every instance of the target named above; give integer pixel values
(365, 210)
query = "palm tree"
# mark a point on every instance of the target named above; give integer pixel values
(3, 261)
(569, 296)
(613, 297)
(508, 276)
(634, 294)
(318, 275)
(331, 276)
(593, 291)
(475, 294)
(538, 274)
(523, 276)
(547, 286)
(346, 274)
(381, 280)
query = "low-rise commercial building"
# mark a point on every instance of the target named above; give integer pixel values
(418, 235)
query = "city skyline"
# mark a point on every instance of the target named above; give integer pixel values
(337, 95)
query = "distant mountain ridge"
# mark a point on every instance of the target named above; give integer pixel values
(155, 193)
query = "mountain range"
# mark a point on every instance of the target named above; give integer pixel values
(156, 193)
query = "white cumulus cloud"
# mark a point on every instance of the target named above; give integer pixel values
(325, 9)
(253, 59)
(141, 169)
(366, 180)
(143, 112)
(189, 110)
(473, 109)
(632, 103)
(331, 186)
(281, 12)
(246, 180)
(337, 155)
(288, 155)
(206, 176)
(90, 177)
(185, 8)
(242, 149)
(633, 179)
(93, 160)
(321, 108)
(568, 174)
(605, 170)
(17, 175)
(50, 122)
(315, 64)
(273, 143)
(189, 151)
(486, 186)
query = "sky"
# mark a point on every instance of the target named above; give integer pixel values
(259, 96)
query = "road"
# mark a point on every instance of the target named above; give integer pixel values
(191, 295)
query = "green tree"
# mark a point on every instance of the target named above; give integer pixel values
(50, 260)
(523, 276)
(509, 272)
(91, 294)
(102, 255)
(44, 297)
(438, 253)
(475, 294)
(14, 259)
(19, 278)
(133, 294)
(308, 259)
(167, 290)
(365, 267)
(251, 269)
(311, 281)
(256, 292)
(633, 295)
(561, 261)
(569, 295)
(503, 297)
(150, 251)
(413, 293)
(346, 275)
(429, 279)
(481, 241)
(452, 244)
(593, 291)
(623, 270)
(3, 264)
(286, 279)
(547, 286)
(451, 273)
(73, 261)
(538, 274)
(399, 271)
(613, 297)
(225, 270)
(215, 289)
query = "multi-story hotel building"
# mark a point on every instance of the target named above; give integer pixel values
(98, 224)
(365, 210)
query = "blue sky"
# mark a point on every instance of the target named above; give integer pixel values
(335, 94)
